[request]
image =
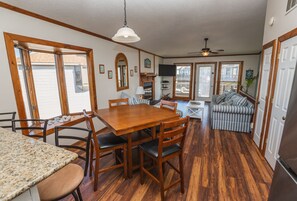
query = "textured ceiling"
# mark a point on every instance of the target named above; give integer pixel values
(166, 27)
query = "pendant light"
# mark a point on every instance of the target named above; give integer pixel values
(125, 34)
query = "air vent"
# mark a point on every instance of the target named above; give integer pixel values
(291, 4)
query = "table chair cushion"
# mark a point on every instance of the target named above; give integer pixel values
(152, 148)
(61, 183)
(110, 140)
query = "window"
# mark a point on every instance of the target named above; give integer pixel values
(204, 81)
(229, 76)
(50, 79)
(182, 82)
(291, 4)
(77, 82)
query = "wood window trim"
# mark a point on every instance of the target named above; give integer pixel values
(214, 76)
(281, 39)
(191, 83)
(266, 46)
(9, 41)
(239, 73)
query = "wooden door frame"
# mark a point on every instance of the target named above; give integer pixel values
(191, 83)
(214, 76)
(266, 46)
(239, 73)
(281, 39)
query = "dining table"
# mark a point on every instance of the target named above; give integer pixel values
(128, 119)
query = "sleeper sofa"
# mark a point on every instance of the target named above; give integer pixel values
(231, 111)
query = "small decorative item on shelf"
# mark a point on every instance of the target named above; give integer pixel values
(101, 68)
(131, 73)
(135, 69)
(109, 72)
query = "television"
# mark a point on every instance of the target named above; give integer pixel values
(167, 70)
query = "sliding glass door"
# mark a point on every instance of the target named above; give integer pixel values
(205, 76)
(183, 81)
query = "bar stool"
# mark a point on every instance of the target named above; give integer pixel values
(62, 183)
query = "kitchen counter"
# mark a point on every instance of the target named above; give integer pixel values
(24, 162)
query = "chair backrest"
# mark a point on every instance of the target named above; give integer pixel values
(36, 127)
(173, 132)
(7, 118)
(168, 105)
(82, 144)
(118, 102)
(90, 126)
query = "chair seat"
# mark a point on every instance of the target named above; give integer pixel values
(152, 148)
(109, 140)
(61, 183)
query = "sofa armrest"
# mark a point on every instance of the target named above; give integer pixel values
(232, 109)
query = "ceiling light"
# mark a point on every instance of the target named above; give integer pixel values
(125, 34)
(205, 53)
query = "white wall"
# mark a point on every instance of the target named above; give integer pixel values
(249, 62)
(104, 53)
(284, 22)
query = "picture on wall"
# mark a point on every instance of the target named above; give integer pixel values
(249, 74)
(101, 68)
(109, 72)
(131, 73)
(147, 63)
(135, 69)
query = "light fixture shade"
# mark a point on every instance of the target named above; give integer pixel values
(205, 53)
(126, 35)
(139, 90)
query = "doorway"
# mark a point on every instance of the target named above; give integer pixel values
(282, 91)
(205, 81)
(267, 66)
(229, 76)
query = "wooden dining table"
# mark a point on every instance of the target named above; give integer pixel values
(125, 120)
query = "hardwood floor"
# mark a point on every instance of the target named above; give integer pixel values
(218, 165)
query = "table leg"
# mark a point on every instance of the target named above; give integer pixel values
(129, 150)
(154, 133)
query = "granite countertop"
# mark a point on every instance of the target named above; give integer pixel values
(24, 162)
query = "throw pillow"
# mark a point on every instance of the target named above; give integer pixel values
(220, 98)
(229, 95)
(240, 101)
(229, 102)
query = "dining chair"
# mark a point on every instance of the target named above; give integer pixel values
(62, 183)
(168, 105)
(103, 145)
(82, 144)
(164, 104)
(169, 145)
(118, 102)
(36, 128)
(7, 118)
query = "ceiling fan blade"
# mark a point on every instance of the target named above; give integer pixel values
(213, 52)
(220, 50)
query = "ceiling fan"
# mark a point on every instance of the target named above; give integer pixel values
(206, 51)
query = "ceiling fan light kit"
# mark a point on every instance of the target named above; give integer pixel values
(125, 34)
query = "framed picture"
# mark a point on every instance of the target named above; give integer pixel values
(101, 68)
(249, 74)
(147, 63)
(109, 72)
(135, 69)
(131, 73)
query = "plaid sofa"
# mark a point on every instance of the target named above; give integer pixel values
(231, 118)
